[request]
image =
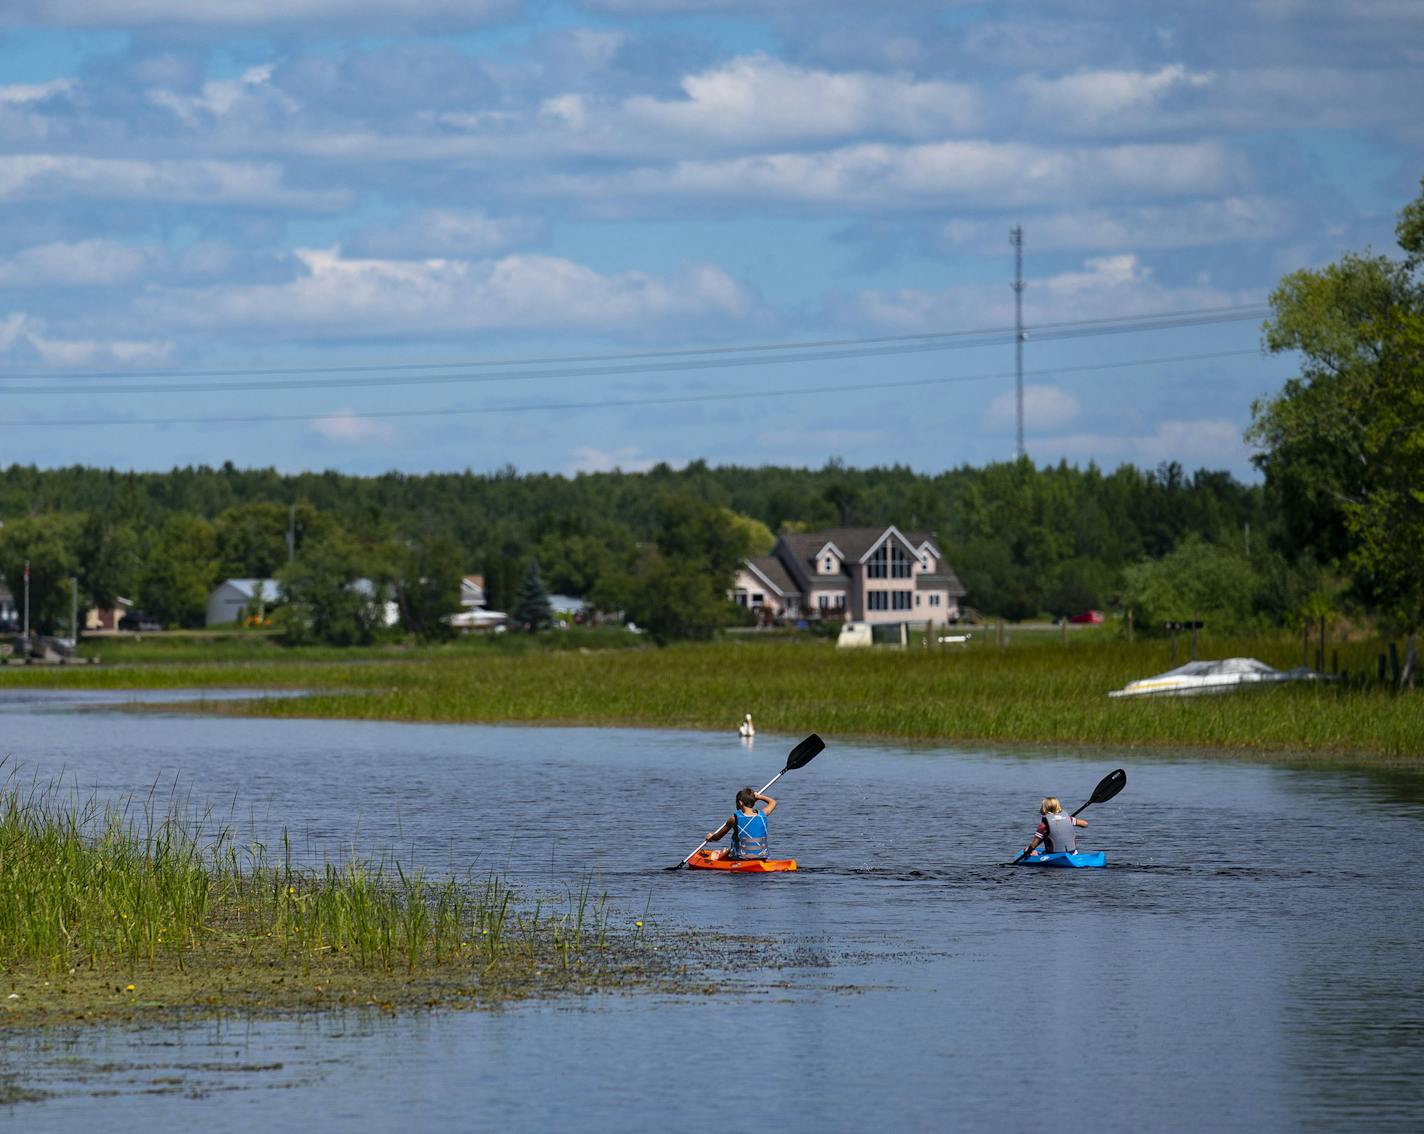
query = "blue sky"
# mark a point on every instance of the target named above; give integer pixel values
(314, 233)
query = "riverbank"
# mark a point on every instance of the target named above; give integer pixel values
(1039, 690)
(118, 916)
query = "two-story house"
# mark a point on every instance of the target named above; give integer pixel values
(859, 574)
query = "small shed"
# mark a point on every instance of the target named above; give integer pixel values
(232, 596)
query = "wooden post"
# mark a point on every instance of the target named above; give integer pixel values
(1305, 644)
(1394, 664)
(1320, 648)
(1380, 676)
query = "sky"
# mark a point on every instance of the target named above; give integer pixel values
(577, 235)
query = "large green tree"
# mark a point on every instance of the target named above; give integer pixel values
(427, 586)
(324, 598)
(180, 571)
(48, 544)
(1343, 443)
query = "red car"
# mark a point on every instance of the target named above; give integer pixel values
(1088, 616)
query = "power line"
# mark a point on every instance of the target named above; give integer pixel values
(672, 399)
(882, 347)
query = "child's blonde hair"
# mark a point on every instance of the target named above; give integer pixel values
(1050, 805)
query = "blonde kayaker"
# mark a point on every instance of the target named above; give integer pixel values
(1055, 828)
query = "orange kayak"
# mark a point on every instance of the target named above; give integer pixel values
(703, 860)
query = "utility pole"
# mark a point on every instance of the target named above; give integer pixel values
(1016, 239)
(27, 607)
(74, 609)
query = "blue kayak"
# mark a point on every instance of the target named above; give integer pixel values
(1067, 858)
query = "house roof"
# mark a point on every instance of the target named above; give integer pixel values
(773, 573)
(853, 543)
(251, 588)
(945, 580)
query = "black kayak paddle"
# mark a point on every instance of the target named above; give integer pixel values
(1111, 784)
(799, 757)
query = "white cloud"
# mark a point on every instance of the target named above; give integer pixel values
(880, 176)
(336, 295)
(448, 232)
(24, 336)
(15, 94)
(47, 177)
(1045, 408)
(80, 263)
(1089, 98)
(345, 426)
(1190, 224)
(1105, 287)
(755, 98)
(128, 13)
(587, 459)
(1207, 442)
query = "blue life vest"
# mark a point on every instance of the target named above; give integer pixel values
(749, 836)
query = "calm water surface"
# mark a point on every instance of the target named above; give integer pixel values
(1253, 958)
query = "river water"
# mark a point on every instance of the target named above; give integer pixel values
(1252, 958)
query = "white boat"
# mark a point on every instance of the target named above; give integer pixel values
(1212, 677)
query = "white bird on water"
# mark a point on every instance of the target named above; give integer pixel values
(746, 728)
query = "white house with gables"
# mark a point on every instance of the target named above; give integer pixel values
(857, 574)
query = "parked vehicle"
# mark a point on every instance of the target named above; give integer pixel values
(138, 621)
(1087, 618)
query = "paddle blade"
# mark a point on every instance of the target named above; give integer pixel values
(804, 753)
(1112, 783)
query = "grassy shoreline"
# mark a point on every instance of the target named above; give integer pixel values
(1039, 691)
(116, 915)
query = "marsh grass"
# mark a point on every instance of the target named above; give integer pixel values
(1040, 688)
(121, 887)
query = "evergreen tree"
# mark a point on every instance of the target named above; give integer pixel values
(532, 610)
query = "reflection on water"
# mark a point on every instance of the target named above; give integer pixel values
(1251, 959)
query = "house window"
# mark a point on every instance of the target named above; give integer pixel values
(840, 602)
(823, 601)
(934, 600)
(758, 598)
(917, 600)
(741, 598)
(889, 561)
(900, 600)
(828, 566)
(877, 600)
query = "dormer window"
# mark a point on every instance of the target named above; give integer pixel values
(828, 565)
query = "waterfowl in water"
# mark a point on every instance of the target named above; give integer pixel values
(746, 728)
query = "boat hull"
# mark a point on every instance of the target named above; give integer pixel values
(1066, 859)
(702, 860)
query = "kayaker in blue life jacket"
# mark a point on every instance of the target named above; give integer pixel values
(1055, 828)
(747, 826)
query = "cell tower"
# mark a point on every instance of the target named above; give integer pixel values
(1016, 239)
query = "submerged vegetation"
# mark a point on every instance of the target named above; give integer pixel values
(113, 912)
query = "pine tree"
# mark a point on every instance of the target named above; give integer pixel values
(533, 611)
